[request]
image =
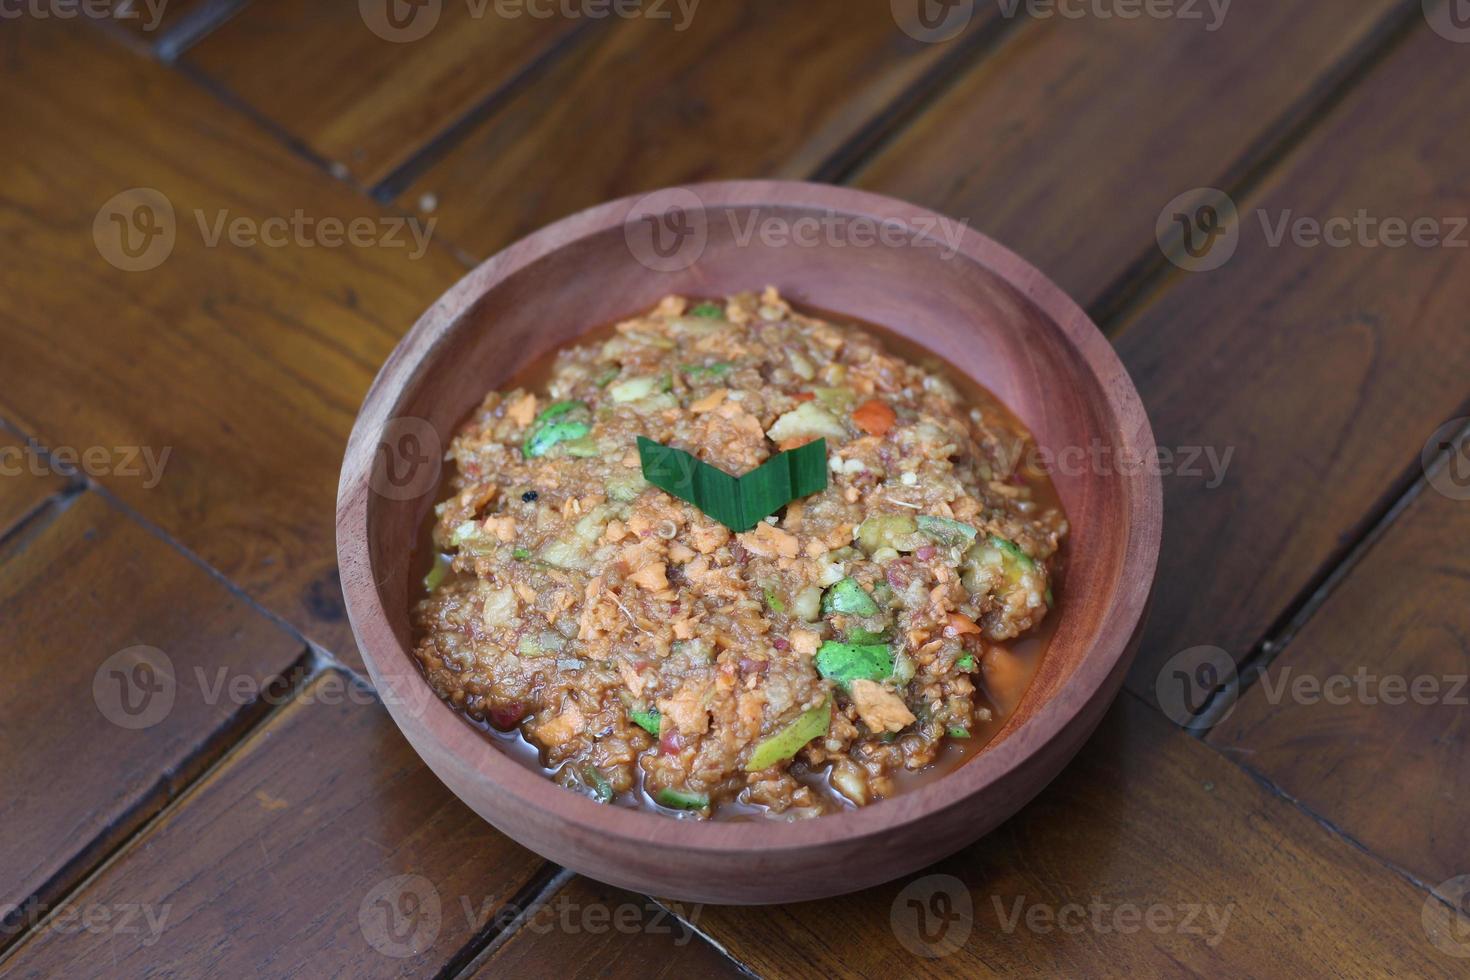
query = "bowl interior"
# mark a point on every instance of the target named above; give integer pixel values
(947, 301)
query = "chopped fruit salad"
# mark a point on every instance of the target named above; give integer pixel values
(732, 558)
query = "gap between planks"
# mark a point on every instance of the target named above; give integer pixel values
(1409, 488)
(304, 671)
(1151, 274)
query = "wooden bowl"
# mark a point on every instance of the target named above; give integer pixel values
(956, 292)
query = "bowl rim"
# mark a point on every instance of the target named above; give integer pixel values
(391, 666)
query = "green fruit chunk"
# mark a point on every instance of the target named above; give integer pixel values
(946, 531)
(558, 422)
(1013, 551)
(848, 662)
(849, 599)
(437, 574)
(678, 799)
(702, 371)
(810, 724)
(601, 789)
(894, 531)
(646, 720)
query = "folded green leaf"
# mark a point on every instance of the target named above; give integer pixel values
(739, 503)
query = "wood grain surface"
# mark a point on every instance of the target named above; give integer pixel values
(1363, 716)
(301, 840)
(321, 846)
(1322, 370)
(128, 670)
(588, 929)
(1151, 856)
(246, 362)
(763, 87)
(148, 23)
(1046, 144)
(338, 79)
(27, 480)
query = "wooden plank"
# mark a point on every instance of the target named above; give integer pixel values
(1066, 142)
(127, 670)
(27, 479)
(1152, 855)
(247, 364)
(322, 841)
(1363, 716)
(758, 88)
(588, 929)
(1323, 370)
(337, 77)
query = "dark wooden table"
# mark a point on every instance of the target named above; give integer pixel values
(197, 777)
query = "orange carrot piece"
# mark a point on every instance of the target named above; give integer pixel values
(874, 417)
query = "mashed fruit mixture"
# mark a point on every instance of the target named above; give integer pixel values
(656, 657)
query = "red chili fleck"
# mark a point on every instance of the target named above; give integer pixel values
(804, 396)
(670, 742)
(780, 643)
(505, 717)
(749, 665)
(926, 552)
(897, 575)
(674, 608)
